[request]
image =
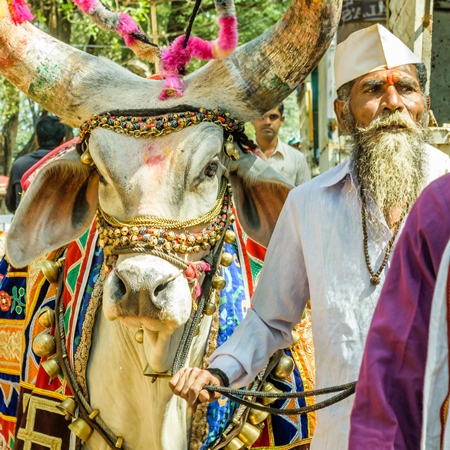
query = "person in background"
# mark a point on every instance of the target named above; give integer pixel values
(334, 237)
(50, 133)
(288, 161)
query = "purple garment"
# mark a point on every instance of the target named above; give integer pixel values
(387, 413)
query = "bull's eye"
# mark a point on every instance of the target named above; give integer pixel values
(211, 169)
(101, 178)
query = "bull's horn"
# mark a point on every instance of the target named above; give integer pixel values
(271, 66)
(40, 66)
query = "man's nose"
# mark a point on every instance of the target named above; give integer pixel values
(392, 100)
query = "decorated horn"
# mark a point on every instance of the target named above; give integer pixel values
(271, 66)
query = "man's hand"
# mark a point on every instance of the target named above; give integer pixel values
(188, 384)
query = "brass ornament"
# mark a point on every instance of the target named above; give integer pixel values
(52, 367)
(219, 282)
(295, 337)
(81, 428)
(235, 444)
(255, 416)
(230, 236)
(284, 367)
(230, 149)
(46, 317)
(209, 308)
(68, 408)
(139, 336)
(249, 434)
(86, 158)
(51, 269)
(269, 387)
(226, 259)
(44, 344)
(119, 442)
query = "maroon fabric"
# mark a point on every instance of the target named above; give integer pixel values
(387, 413)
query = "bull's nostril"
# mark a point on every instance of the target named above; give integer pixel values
(161, 287)
(120, 286)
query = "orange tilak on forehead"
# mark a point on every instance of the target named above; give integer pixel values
(390, 77)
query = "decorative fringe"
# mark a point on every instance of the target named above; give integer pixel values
(20, 12)
(175, 58)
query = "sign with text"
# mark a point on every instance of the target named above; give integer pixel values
(357, 11)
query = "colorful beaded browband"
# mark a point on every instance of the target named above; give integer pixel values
(152, 126)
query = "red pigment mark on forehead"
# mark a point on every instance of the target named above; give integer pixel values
(390, 77)
(153, 160)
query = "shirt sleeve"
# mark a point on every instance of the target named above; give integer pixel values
(303, 173)
(278, 304)
(387, 412)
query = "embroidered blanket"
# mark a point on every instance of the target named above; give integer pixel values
(26, 387)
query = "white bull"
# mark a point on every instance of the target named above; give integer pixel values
(174, 176)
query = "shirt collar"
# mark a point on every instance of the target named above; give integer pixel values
(278, 149)
(346, 171)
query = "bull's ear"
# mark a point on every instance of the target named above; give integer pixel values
(57, 208)
(259, 193)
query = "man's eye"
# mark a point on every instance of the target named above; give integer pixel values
(211, 169)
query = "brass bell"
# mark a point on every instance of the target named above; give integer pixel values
(44, 344)
(269, 387)
(81, 429)
(295, 337)
(249, 434)
(52, 367)
(86, 158)
(256, 416)
(230, 236)
(230, 149)
(219, 283)
(46, 317)
(226, 259)
(284, 367)
(235, 444)
(209, 308)
(68, 408)
(139, 336)
(51, 269)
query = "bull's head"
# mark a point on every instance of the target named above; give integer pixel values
(172, 176)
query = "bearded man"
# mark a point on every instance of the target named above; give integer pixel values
(335, 235)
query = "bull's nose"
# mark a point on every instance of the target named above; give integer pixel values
(130, 283)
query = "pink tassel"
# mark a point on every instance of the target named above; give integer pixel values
(200, 49)
(87, 6)
(173, 87)
(20, 12)
(125, 27)
(228, 34)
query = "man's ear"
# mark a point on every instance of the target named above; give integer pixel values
(341, 114)
(282, 119)
(428, 100)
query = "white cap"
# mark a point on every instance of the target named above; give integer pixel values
(367, 50)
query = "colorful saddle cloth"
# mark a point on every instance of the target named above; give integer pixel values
(29, 418)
